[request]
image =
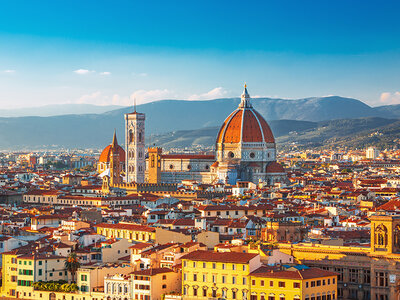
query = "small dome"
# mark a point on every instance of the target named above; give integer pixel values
(274, 167)
(105, 154)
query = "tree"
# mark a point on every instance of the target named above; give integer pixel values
(72, 264)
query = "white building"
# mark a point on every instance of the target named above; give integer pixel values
(372, 153)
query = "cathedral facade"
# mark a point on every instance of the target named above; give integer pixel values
(245, 151)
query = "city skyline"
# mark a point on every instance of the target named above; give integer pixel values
(101, 53)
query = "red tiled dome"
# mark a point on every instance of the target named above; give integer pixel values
(105, 155)
(246, 125)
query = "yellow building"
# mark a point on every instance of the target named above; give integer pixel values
(238, 275)
(21, 270)
(9, 273)
(208, 274)
(129, 231)
(303, 283)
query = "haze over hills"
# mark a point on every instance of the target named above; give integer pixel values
(57, 110)
(167, 117)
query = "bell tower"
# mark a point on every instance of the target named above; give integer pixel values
(135, 146)
(385, 234)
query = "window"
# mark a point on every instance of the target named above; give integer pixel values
(233, 294)
(184, 263)
(253, 282)
(306, 284)
(164, 277)
(164, 286)
(296, 285)
(353, 275)
(204, 292)
(233, 280)
(204, 265)
(381, 279)
(367, 276)
(244, 281)
(262, 282)
(281, 284)
(271, 283)
(194, 277)
(312, 283)
(244, 267)
(223, 279)
(318, 282)
(204, 277)
(214, 265)
(194, 264)
(233, 267)
(223, 266)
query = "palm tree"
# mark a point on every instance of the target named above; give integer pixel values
(72, 264)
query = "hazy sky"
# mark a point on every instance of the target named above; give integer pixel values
(107, 52)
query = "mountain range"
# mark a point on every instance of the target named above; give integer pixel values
(171, 121)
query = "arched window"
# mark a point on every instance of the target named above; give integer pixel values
(140, 137)
(152, 161)
(381, 235)
(130, 136)
(397, 236)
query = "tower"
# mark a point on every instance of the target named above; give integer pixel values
(385, 234)
(154, 165)
(115, 170)
(134, 146)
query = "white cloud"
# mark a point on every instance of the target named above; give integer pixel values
(218, 92)
(9, 71)
(390, 98)
(105, 73)
(82, 71)
(96, 98)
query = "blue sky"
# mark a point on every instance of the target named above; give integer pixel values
(107, 52)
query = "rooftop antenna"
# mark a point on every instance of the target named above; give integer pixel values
(134, 103)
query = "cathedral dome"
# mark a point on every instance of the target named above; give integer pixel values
(245, 125)
(105, 154)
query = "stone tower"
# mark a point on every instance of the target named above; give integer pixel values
(154, 165)
(115, 172)
(134, 146)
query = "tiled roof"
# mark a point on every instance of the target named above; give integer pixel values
(228, 257)
(135, 227)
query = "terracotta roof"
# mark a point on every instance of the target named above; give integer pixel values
(153, 271)
(246, 125)
(135, 227)
(274, 167)
(105, 155)
(309, 273)
(228, 257)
